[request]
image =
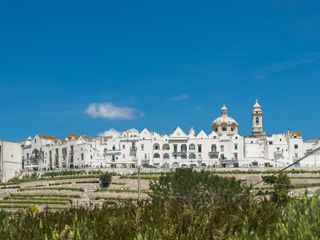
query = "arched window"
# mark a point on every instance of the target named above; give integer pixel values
(192, 147)
(165, 147)
(213, 148)
(224, 129)
(166, 156)
(156, 155)
(257, 120)
(156, 146)
(183, 156)
(183, 148)
(192, 156)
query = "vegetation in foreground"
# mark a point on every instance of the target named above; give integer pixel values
(184, 205)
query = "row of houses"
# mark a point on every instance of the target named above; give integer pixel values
(222, 147)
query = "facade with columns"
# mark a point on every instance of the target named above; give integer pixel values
(222, 147)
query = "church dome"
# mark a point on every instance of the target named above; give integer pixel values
(225, 124)
(224, 118)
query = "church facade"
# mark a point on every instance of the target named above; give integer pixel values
(222, 147)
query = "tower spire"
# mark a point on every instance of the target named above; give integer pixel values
(257, 117)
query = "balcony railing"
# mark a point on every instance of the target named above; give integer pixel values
(133, 149)
(213, 155)
(179, 153)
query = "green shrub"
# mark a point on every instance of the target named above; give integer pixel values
(105, 180)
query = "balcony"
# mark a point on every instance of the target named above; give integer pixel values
(179, 153)
(112, 152)
(213, 155)
(133, 149)
(278, 155)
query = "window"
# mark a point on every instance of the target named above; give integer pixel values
(270, 143)
(213, 148)
(82, 156)
(192, 147)
(224, 129)
(166, 156)
(236, 147)
(296, 146)
(199, 148)
(113, 147)
(123, 146)
(175, 148)
(165, 147)
(192, 156)
(142, 147)
(222, 148)
(183, 148)
(236, 156)
(257, 120)
(232, 129)
(156, 155)
(91, 157)
(156, 147)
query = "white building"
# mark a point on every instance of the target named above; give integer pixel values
(222, 147)
(10, 160)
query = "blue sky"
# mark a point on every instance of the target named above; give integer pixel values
(87, 66)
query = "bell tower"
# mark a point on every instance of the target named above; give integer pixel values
(257, 123)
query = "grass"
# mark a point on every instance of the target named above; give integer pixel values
(141, 177)
(19, 206)
(45, 195)
(118, 183)
(305, 185)
(304, 177)
(121, 190)
(25, 180)
(38, 198)
(9, 187)
(59, 183)
(33, 201)
(117, 198)
(74, 189)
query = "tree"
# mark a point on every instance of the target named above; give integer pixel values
(105, 180)
(281, 188)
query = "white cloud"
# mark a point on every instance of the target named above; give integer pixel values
(111, 112)
(110, 133)
(181, 97)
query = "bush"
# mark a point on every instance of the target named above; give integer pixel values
(196, 188)
(105, 180)
(281, 189)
